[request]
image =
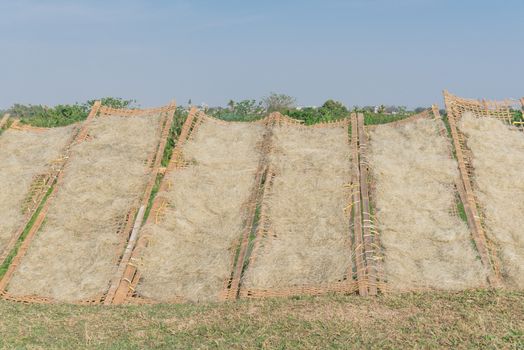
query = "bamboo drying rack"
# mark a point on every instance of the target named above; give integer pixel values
(502, 110)
(40, 185)
(124, 227)
(366, 275)
(347, 284)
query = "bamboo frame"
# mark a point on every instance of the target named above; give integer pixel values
(431, 113)
(131, 241)
(41, 184)
(124, 227)
(502, 110)
(41, 216)
(232, 286)
(130, 276)
(468, 209)
(264, 232)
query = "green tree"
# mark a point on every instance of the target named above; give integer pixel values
(334, 109)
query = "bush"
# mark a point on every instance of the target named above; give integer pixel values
(113, 102)
(61, 115)
(331, 110)
(245, 110)
(42, 116)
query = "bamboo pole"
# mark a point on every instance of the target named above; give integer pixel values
(357, 210)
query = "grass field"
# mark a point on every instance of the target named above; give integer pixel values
(472, 319)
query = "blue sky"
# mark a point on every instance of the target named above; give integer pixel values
(361, 52)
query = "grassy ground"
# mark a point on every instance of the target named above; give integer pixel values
(473, 319)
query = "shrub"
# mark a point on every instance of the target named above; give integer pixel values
(61, 115)
(331, 110)
(113, 102)
(245, 110)
(42, 116)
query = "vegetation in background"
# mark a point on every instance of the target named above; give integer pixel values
(487, 319)
(278, 102)
(113, 102)
(61, 115)
(43, 116)
(245, 110)
(251, 109)
(330, 111)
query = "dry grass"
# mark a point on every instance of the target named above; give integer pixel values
(425, 246)
(498, 160)
(23, 156)
(465, 320)
(309, 241)
(73, 255)
(192, 246)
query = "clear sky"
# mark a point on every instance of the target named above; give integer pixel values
(361, 52)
